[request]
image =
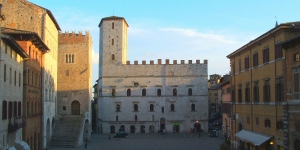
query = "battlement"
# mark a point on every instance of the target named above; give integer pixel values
(167, 62)
(69, 37)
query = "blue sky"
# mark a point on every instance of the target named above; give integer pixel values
(177, 29)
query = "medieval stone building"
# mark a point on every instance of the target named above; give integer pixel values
(27, 16)
(145, 98)
(74, 88)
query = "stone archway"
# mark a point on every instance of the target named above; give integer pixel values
(75, 108)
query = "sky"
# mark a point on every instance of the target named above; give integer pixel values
(176, 29)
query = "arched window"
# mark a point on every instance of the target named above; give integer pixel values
(112, 25)
(72, 58)
(135, 118)
(144, 92)
(113, 92)
(172, 107)
(151, 107)
(193, 107)
(136, 107)
(117, 118)
(190, 92)
(158, 92)
(118, 108)
(128, 92)
(174, 92)
(112, 41)
(112, 56)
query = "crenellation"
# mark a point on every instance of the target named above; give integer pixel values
(74, 37)
(167, 62)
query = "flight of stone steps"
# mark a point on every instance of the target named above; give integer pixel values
(67, 131)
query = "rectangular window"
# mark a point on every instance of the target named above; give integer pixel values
(15, 78)
(266, 91)
(256, 92)
(266, 55)
(15, 109)
(297, 126)
(10, 75)
(247, 93)
(278, 51)
(240, 65)
(64, 108)
(232, 68)
(255, 60)
(233, 95)
(10, 109)
(4, 73)
(296, 57)
(279, 90)
(248, 120)
(4, 110)
(267, 123)
(19, 109)
(112, 42)
(240, 94)
(257, 121)
(247, 63)
(279, 125)
(19, 79)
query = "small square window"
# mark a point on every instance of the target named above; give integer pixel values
(64, 108)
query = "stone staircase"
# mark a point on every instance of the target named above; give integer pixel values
(67, 131)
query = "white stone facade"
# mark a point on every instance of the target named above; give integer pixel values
(152, 103)
(11, 79)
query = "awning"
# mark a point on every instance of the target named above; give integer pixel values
(254, 138)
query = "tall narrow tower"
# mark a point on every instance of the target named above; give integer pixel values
(113, 44)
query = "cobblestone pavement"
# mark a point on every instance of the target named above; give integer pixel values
(170, 141)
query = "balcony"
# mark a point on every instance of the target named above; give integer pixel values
(16, 123)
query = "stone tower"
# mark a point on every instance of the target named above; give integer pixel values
(113, 45)
(74, 73)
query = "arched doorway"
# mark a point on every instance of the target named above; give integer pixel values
(122, 128)
(142, 129)
(132, 129)
(151, 129)
(162, 123)
(48, 131)
(176, 127)
(112, 129)
(197, 127)
(75, 108)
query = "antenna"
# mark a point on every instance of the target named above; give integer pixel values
(113, 8)
(276, 24)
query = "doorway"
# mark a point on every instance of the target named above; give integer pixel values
(75, 108)
(162, 124)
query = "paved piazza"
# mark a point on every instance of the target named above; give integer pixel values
(169, 141)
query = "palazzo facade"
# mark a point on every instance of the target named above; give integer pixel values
(145, 98)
